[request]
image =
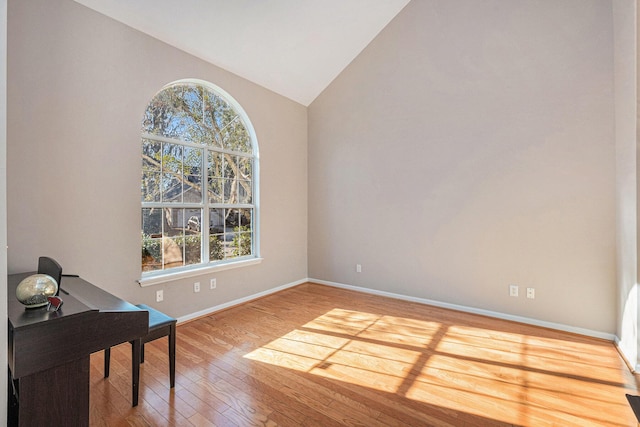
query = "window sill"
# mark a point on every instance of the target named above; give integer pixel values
(168, 277)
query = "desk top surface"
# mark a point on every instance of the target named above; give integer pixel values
(80, 297)
(89, 320)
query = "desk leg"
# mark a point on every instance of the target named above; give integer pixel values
(135, 369)
(172, 355)
(56, 397)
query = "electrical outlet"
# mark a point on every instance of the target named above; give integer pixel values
(358, 268)
(531, 293)
(196, 287)
(513, 290)
(212, 284)
(159, 296)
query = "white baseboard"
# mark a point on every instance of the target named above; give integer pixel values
(473, 310)
(238, 301)
(634, 368)
(466, 309)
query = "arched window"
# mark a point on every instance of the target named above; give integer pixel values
(199, 172)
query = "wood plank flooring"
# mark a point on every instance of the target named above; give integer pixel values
(314, 355)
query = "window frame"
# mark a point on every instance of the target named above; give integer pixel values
(148, 278)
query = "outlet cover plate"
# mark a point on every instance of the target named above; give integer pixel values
(513, 290)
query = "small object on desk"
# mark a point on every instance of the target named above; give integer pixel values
(33, 290)
(54, 303)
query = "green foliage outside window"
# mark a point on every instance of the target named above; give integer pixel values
(197, 157)
(216, 248)
(241, 241)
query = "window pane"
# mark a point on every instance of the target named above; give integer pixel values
(151, 168)
(211, 102)
(216, 247)
(246, 217)
(192, 161)
(182, 237)
(244, 192)
(177, 112)
(162, 116)
(216, 230)
(244, 168)
(242, 242)
(151, 157)
(172, 173)
(230, 166)
(216, 221)
(228, 248)
(171, 221)
(172, 250)
(230, 191)
(230, 183)
(219, 115)
(192, 230)
(151, 186)
(235, 136)
(172, 168)
(232, 220)
(151, 239)
(193, 245)
(192, 175)
(216, 161)
(216, 190)
(152, 222)
(243, 233)
(171, 188)
(172, 158)
(244, 182)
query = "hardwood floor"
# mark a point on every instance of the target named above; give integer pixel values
(320, 356)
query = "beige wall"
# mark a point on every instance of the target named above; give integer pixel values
(78, 86)
(469, 147)
(625, 61)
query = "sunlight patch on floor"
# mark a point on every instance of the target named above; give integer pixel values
(514, 377)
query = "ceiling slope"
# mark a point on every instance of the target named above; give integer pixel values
(292, 47)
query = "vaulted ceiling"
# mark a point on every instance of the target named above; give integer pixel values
(292, 47)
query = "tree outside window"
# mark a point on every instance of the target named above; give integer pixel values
(198, 180)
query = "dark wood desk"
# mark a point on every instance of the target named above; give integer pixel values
(49, 351)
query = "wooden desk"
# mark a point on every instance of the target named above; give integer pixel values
(49, 351)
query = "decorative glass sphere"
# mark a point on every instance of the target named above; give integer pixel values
(33, 290)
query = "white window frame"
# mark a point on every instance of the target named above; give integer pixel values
(149, 278)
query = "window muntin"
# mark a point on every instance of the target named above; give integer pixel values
(198, 167)
(195, 113)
